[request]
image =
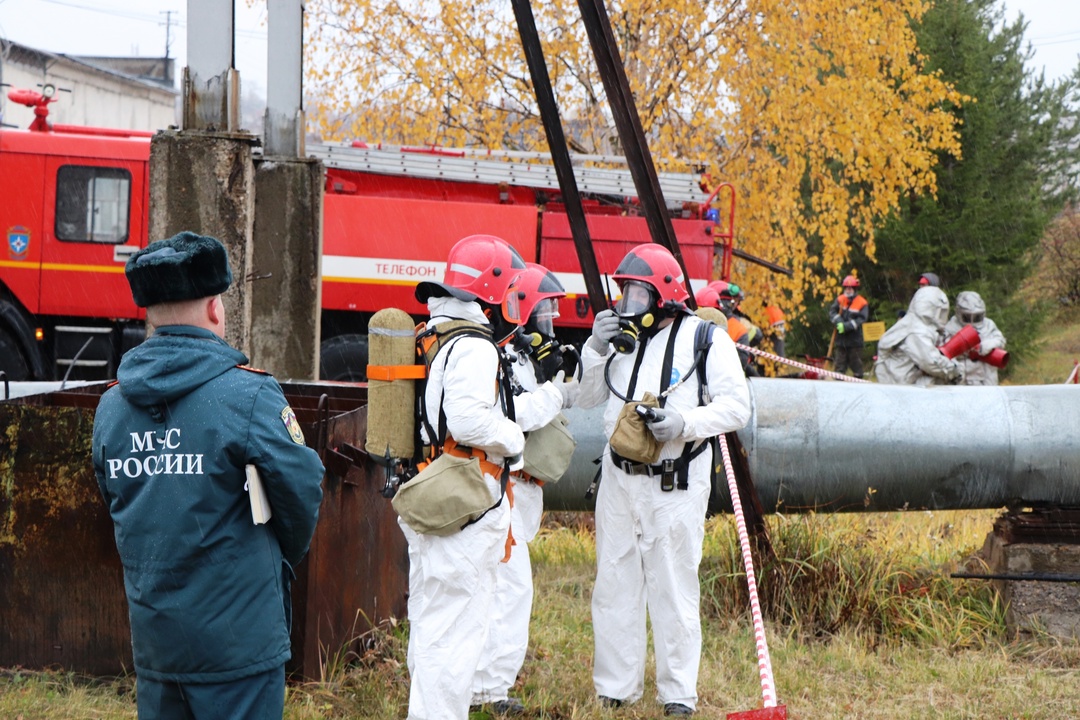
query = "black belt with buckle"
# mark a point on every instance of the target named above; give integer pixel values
(666, 470)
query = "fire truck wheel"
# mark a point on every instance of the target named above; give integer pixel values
(12, 361)
(344, 358)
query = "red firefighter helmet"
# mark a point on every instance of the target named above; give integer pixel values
(655, 265)
(530, 289)
(850, 281)
(479, 267)
(718, 292)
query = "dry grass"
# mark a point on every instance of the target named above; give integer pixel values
(1058, 349)
(869, 626)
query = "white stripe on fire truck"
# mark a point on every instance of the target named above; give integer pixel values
(380, 271)
(398, 271)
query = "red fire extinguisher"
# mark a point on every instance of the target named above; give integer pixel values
(964, 341)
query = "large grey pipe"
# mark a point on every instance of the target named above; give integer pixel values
(835, 446)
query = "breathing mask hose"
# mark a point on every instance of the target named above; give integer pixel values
(571, 361)
(699, 357)
(607, 379)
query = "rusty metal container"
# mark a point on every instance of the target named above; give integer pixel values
(61, 583)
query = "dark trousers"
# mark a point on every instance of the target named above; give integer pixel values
(257, 697)
(848, 357)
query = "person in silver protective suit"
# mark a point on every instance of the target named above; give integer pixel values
(908, 352)
(971, 310)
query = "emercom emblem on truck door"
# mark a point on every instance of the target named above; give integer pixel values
(18, 242)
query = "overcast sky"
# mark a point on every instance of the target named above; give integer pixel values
(138, 27)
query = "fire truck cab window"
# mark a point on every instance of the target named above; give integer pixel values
(92, 204)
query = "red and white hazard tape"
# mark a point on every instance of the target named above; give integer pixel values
(801, 366)
(1073, 378)
(768, 686)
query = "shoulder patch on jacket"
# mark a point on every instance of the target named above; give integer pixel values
(252, 369)
(289, 418)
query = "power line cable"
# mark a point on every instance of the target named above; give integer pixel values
(107, 11)
(1055, 35)
(253, 34)
(1059, 42)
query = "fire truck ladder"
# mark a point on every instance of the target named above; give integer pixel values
(475, 166)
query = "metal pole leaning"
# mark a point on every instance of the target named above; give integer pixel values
(770, 710)
(560, 156)
(621, 100)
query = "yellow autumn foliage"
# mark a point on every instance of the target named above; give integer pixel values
(819, 112)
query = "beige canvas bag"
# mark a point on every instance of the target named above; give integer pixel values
(632, 438)
(548, 450)
(445, 496)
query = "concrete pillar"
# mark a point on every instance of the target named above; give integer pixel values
(211, 83)
(286, 287)
(1034, 607)
(206, 183)
(284, 126)
(203, 178)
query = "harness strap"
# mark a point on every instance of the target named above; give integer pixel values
(526, 477)
(637, 366)
(442, 442)
(396, 372)
(669, 360)
(681, 463)
(454, 448)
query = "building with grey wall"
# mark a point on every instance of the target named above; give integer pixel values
(125, 93)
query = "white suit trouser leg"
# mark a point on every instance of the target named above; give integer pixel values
(451, 586)
(648, 549)
(508, 637)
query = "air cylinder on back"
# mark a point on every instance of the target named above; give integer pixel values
(391, 385)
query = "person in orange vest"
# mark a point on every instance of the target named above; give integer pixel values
(848, 312)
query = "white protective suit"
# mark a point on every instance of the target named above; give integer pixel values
(648, 541)
(452, 578)
(976, 372)
(508, 639)
(908, 351)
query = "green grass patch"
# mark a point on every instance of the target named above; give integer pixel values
(885, 577)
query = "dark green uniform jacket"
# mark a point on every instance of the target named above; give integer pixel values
(207, 589)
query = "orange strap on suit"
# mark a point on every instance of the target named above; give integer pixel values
(451, 446)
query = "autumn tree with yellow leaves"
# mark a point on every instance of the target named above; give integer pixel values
(818, 111)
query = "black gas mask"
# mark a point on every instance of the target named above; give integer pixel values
(639, 315)
(502, 328)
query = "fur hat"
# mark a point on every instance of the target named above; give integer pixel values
(184, 267)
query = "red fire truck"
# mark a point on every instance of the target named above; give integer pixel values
(74, 206)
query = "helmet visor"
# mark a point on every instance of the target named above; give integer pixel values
(971, 318)
(542, 319)
(511, 305)
(637, 299)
